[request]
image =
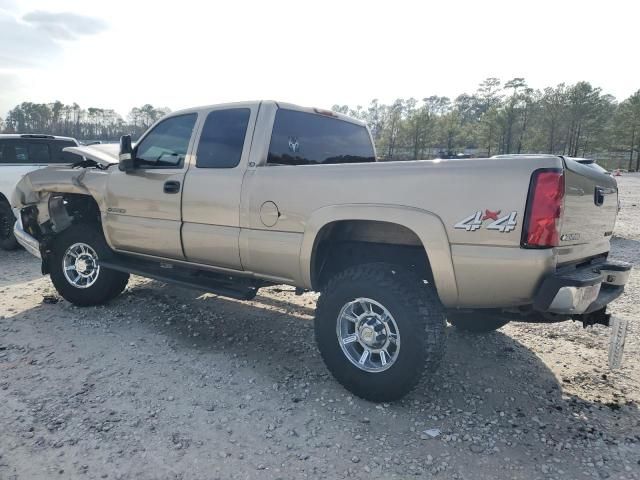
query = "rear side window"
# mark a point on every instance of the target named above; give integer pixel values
(12, 151)
(21, 152)
(38, 153)
(222, 138)
(301, 138)
(58, 156)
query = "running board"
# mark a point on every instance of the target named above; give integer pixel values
(223, 285)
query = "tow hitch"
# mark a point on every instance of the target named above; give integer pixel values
(618, 332)
(599, 317)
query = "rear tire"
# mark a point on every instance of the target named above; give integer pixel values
(476, 322)
(75, 269)
(385, 301)
(7, 220)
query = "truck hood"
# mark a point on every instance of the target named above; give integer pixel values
(103, 154)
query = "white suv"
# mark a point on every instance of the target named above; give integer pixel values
(19, 155)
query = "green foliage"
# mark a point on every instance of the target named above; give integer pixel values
(576, 120)
(73, 121)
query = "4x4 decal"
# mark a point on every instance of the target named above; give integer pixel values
(475, 221)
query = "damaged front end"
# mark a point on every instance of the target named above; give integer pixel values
(52, 199)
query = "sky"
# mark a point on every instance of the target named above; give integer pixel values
(120, 54)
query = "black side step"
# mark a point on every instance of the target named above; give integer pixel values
(224, 285)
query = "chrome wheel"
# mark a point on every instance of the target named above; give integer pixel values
(368, 335)
(80, 265)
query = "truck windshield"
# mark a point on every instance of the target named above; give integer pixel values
(301, 138)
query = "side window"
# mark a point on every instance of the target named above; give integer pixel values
(301, 138)
(222, 138)
(58, 156)
(14, 152)
(166, 145)
(38, 153)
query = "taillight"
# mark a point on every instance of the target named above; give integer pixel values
(544, 209)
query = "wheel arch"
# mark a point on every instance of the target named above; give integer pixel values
(409, 226)
(69, 208)
(55, 213)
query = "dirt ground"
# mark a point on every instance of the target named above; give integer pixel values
(167, 383)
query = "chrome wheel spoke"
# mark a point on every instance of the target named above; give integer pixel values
(363, 357)
(351, 318)
(368, 335)
(366, 306)
(383, 357)
(80, 265)
(350, 339)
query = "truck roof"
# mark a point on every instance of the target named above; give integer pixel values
(35, 136)
(278, 104)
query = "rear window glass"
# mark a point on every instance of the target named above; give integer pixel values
(222, 138)
(301, 138)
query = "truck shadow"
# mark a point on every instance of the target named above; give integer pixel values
(487, 373)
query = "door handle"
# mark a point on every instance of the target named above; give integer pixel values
(171, 186)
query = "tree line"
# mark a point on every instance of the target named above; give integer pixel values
(74, 121)
(502, 118)
(498, 118)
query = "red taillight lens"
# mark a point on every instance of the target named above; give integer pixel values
(544, 209)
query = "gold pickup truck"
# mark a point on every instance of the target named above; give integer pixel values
(231, 198)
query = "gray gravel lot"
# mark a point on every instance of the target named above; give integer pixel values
(170, 383)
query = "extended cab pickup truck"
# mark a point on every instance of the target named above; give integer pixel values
(231, 198)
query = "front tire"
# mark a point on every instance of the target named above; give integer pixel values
(7, 220)
(379, 329)
(75, 267)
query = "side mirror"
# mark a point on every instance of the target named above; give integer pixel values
(127, 161)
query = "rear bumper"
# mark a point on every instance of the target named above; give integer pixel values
(582, 290)
(29, 243)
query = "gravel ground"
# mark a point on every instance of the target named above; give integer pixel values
(169, 383)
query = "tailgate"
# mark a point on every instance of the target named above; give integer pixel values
(590, 204)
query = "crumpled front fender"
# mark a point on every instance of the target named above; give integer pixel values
(36, 187)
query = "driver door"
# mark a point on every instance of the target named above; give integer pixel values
(144, 205)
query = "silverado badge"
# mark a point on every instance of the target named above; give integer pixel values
(475, 221)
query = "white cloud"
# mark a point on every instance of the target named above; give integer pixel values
(22, 45)
(65, 25)
(192, 52)
(34, 40)
(7, 5)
